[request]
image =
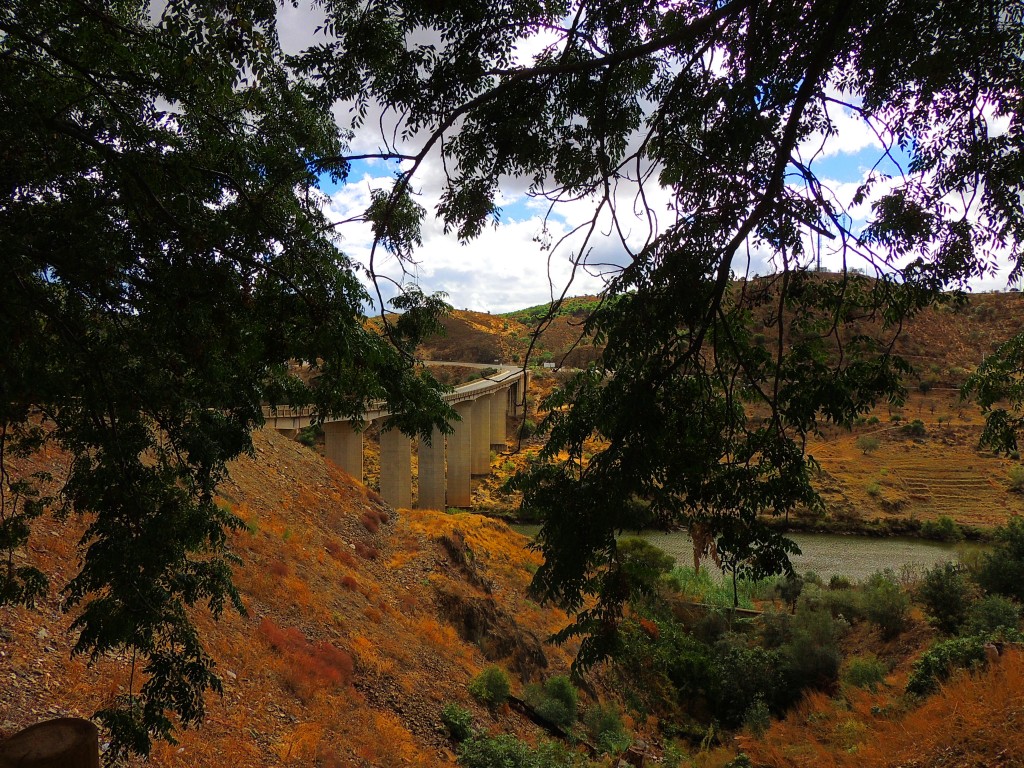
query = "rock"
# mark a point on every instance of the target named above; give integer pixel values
(42, 634)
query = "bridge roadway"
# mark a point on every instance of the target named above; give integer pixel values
(446, 466)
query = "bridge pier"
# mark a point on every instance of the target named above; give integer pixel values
(431, 472)
(498, 427)
(396, 468)
(481, 447)
(343, 444)
(458, 486)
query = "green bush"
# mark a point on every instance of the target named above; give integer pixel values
(991, 614)
(810, 658)
(874, 490)
(838, 582)
(944, 528)
(915, 429)
(308, 436)
(507, 751)
(1002, 570)
(604, 724)
(458, 720)
(555, 701)
(865, 672)
(942, 659)
(946, 595)
(643, 564)
(758, 718)
(1017, 478)
(491, 687)
(885, 604)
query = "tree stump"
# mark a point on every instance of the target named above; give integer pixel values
(68, 742)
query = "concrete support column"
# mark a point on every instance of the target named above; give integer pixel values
(498, 429)
(513, 399)
(481, 460)
(431, 472)
(343, 445)
(460, 467)
(396, 469)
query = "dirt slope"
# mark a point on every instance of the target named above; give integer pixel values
(362, 623)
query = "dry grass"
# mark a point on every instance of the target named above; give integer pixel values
(974, 720)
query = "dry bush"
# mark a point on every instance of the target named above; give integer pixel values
(367, 551)
(279, 568)
(369, 522)
(340, 553)
(349, 581)
(308, 667)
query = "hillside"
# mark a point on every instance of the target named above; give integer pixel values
(362, 623)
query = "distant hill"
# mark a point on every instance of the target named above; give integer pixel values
(943, 343)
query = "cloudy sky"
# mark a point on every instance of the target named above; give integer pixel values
(508, 266)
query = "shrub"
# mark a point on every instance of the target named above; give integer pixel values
(1017, 478)
(810, 659)
(873, 489)
(939, 662)
(915, 429)
(789, 590)
(308, 436)
(885, 604)
(838, 582)
(507, 751)
(865, 672)
(366, 551)
(491, 687)
(990, 614)
(1002, 569)
(944, 528)
(867, 444)
(758, 718)
(643, 564)
(458, 720)
(604, 724)
(529, 428)
(946, 595)
(555, 701)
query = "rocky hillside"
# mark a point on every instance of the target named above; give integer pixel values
(363, 622)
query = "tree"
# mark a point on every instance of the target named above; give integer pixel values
(724, 107)
(867, 444)
(165, 260)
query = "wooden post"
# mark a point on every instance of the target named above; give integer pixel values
(69, 742)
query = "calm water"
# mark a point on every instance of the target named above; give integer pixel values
(855, 557)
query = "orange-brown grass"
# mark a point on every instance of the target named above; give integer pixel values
(974, 720)
(284, 667)
(941, 474)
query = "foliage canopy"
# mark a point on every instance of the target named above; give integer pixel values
(166, 264)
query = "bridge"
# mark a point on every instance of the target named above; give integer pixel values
(446, 466)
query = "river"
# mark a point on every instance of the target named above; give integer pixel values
(855, 557)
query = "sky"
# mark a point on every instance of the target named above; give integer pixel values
(507, 267)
